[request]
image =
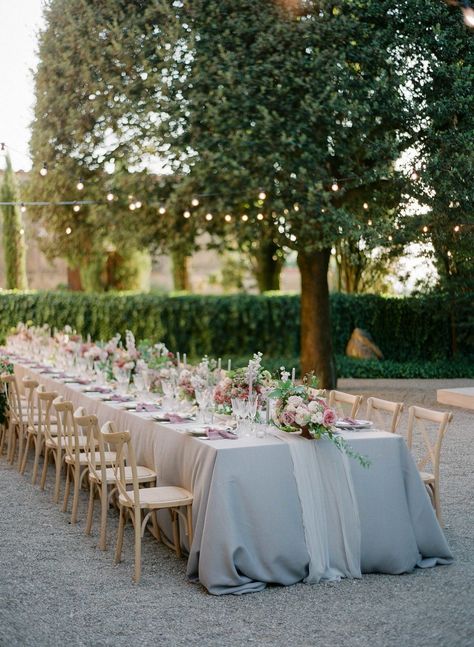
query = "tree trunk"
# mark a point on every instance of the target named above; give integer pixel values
(316, 339)
(179, 263)
(74, 279)
(267, 266)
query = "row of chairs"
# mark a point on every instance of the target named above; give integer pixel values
(385, 414)
(102, 458)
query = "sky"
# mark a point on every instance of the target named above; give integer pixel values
(20, 21)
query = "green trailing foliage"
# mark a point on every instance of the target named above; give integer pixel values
(414, 329)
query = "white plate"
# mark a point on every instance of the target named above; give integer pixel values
(357, 424)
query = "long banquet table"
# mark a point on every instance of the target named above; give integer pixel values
(247, 518)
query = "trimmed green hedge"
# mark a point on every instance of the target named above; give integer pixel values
(406, 329)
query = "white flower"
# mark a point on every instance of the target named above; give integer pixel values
(295, 401)
(302, 417)
(314, 406)
(317, 418)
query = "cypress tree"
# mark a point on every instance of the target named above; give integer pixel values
(13, 241)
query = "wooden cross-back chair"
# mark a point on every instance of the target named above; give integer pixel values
(29, 386)
(345, 404)
(141, 504)
(17, 425)
(385, 414)
(431, 426)
(102, 478)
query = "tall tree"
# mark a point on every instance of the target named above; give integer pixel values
(13, 237)
(301, 104)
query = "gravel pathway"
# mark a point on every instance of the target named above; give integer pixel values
(57, 589)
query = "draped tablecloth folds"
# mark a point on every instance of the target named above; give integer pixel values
(283, 510)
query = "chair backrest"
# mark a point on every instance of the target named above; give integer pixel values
(432, 435)
(67, 428)
(385, 414)
(121, 443)
(13, 398)
(45, 402)
(89, 425)
(345, 404)
(30, 385)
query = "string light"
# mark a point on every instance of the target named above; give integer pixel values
(335, 186)
(76, 208)
(22, 207)
(245, 217)
(80, 185)
(390, 238)
(425, 229)
(195, 202)
(208, 217)
(414, 175)
(262, 195)
(68, 231)
(138, 204)
(110, 197)
(132, 206)
(22, 232)
(162, 210)
(456, 228)
(449, 254)
(296, 207)
(44, 169)
(369, 222)
(227, 217)
(259, 216)
(365, 205)
(187, 214)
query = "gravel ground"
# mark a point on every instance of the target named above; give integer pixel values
(57, 589)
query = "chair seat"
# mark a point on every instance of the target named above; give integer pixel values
(144, 475)
(54, 442)
(84, 458)
(166, 496)
(426, 477)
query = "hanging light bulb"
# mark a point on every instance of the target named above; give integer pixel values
(449, 254)
(22, 232)
(132, 206)
(245, 217)
(262, 195)
(110, 197)
(187, 214)
(44, 169)
(456, 228)
(260, 216)
(76, 208)
(227, 217)
(335, 186)
(390, 238)
(195, 202)
(162, 210)
(369, 222)
(425, 229)
(68, 231)
(22, 208)
(365, 205)
(138, 204)
(80, 184)
(296, 207)
(414, 175)
(208, 217)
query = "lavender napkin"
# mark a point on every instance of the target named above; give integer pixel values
(118, 398)
(98, 389)
(172, 417)
(147, 406)
(217, 434)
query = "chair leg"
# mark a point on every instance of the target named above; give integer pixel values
(25, 454)
(11, 442)
(437, 502)
(90, 509)
(58, 456)
(120, 531)
(38, 448)
(68, 485)
(104, 506)
(176, 540)
(138, 545)
(21, 438)
(189, 517)
(44, 473)
(75, 498)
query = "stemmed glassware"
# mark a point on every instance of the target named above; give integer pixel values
(122, 375)
(204, 401)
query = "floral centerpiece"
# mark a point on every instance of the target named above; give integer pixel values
(301, 409)
(253, 378)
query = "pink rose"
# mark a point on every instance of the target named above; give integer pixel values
(329, 418)
(287, 418)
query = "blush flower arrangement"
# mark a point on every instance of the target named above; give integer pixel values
(239, 383)
(301, 409)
